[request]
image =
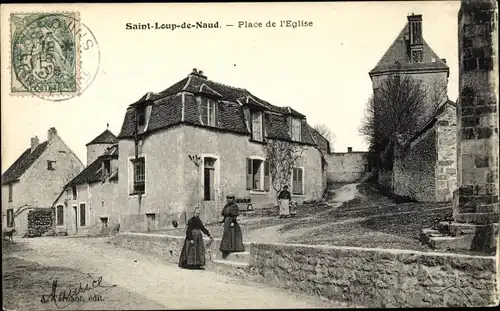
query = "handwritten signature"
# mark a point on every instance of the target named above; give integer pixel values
(72, 295)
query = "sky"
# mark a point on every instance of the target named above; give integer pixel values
(320, 70)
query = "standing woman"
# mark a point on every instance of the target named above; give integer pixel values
(232, 239)
(193, 251)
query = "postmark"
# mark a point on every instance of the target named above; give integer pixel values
(53, 55)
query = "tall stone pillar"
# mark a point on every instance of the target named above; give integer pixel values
(476, 208)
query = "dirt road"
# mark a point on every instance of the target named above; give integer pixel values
(113, 278)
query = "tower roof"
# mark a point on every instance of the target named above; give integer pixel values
(397, 57)
(105, 137)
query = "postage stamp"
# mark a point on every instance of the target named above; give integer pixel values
(45, 54)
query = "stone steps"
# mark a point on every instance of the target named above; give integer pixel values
(230, 267)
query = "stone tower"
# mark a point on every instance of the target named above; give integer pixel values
(98, 145)
(411, 55)
(476, 209)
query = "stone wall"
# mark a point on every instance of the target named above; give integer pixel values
(378, 278)
(368, 277)
(385, 181)
(346, 166)
(446, 154)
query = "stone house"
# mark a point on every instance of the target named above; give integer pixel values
(35, 178)
(407, 175)
(198, 140)
(88, 203)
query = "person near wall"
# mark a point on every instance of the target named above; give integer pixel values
(284, 199)
(232, 238)
(193, 251)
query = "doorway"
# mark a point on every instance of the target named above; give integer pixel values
(151, 218)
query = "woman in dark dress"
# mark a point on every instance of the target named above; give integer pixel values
(193, 252)
(232, 239)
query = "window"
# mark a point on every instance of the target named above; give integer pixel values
(10, 192)
(139, 169)
(74, 192)
(10, 217)
(208, 111)
(298, 181)
(296, 129)
(397, 79)
(209, 179)
(107, 166)
(257, 126)
(50, 165)
(82, 214)
(416, 56)
(258, 176)
(141, 115)
(60, 215)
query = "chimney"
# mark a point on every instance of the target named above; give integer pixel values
(198, 73)
(415, 25)
(349, 149)
(34, 143)
(51, 133)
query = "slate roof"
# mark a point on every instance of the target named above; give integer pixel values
(397, 56)
(177, 104)
(27, 158)
(106, 137)
(93, 172)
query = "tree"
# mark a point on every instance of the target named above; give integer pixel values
(282, 157)
(398, 109)
(324, 131)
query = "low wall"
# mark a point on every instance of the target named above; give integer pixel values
(378, 278)
(165, 247)
(368, 277)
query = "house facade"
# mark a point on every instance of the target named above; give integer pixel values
(198, 140)
(36, 178)
(88, 205)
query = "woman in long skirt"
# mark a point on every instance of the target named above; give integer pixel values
(232, 238)
(193, 251)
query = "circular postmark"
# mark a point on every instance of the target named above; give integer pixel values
(54, 56)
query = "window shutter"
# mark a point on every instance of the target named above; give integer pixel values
(264, 132)
(249, 174)
(267, 177)
(216, 113)
(300, 180)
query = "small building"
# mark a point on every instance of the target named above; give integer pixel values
(198, 140)
(88, 205)
(35, 178)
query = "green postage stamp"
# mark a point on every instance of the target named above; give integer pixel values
(45, 56)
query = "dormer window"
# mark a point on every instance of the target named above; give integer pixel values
(296, 129)
(141, 115)
(107, 166)
(208, 111)
(257, 128)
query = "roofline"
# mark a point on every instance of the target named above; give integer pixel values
(10, 182)
(374, 73)
(98, 143)
(212, 129)
(343, 152)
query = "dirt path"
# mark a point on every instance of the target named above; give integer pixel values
(141, 282)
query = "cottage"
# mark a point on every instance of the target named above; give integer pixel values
(35, 178)
(88, 203)
(194, 142)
